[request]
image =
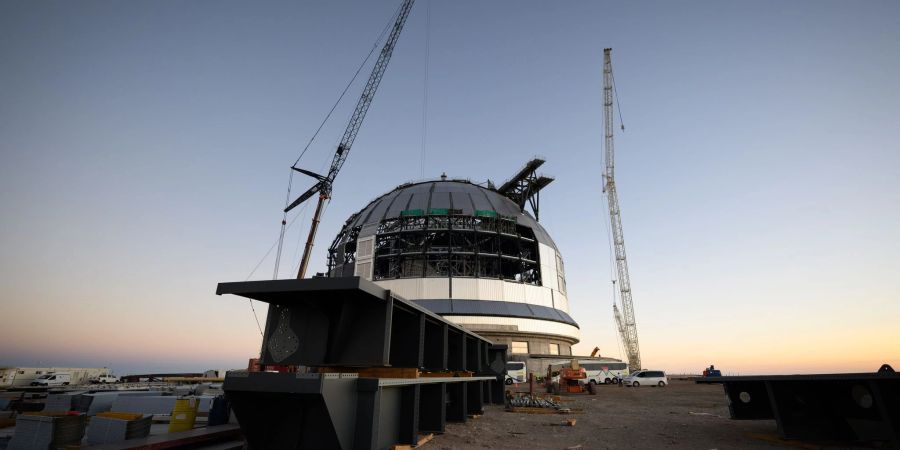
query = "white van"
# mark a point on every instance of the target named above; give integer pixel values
(53, 379)
(515, 372)
(646, 378)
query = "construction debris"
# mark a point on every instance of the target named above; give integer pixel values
(422, 441)
(533, 401)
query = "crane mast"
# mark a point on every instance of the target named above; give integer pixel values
(626, 322)
(325, 182)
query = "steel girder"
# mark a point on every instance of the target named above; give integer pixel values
(843, 407)
(353, 322)
(299, 411)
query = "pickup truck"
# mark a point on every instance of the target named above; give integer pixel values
(103, 379)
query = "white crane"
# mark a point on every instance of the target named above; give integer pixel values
(324, 185)
(627, 326)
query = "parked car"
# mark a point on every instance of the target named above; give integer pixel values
(53, 379)
(103, 379)
(646, 378)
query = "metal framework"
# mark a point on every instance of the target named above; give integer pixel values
(325, 182)
(832, 407)
(446, 243)
(300, 411)
(627, 325)
(351, 322)
(526, 185)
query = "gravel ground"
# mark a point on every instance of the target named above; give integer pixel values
(681, 415)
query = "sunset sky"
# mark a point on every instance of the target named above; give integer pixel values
(145, 147)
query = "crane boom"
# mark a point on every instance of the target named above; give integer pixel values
(324, 185)
(627, 326)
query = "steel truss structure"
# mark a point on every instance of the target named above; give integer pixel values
(447, 243)
(627, 325)
(351, 322)
(526, 185)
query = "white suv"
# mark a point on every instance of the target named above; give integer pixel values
(646, 378)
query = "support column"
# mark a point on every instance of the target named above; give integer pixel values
(432, 408)
(456, 402)
(474, 404)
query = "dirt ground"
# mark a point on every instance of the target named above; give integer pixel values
(681, 415)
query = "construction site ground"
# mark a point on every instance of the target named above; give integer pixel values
(681, 415)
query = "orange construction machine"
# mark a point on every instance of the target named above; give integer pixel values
(567, 378)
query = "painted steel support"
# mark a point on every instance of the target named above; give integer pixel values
(836, 407)
(287, 410)
(353, 322)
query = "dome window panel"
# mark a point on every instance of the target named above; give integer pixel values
(365, 248)
(364, 270)
(519, 347)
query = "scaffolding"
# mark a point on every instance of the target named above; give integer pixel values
(444, 242)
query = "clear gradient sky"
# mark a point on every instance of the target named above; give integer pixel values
(145, 146)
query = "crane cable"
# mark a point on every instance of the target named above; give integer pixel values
(316, 134)
(284, 224)
(612, 76)
(255, 268)
(425, 88)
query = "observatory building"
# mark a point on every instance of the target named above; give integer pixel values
(469, 253)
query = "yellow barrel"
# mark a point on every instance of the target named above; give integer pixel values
(184, 414)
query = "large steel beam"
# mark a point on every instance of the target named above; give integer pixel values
(285, 410)
(474, 401)
(456, 402)
(432, 413)
(495, 365)
(354, 322)
(838, 407)
(294, 411)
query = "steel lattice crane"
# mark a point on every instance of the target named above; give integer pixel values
(627, 326)
(325, 182)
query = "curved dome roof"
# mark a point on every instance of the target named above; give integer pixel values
(445, 194)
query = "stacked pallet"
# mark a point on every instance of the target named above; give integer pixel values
(60, 402)
(50, 430)
(98, 402)
(92, 404)
(116, 427)
(156, 404)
